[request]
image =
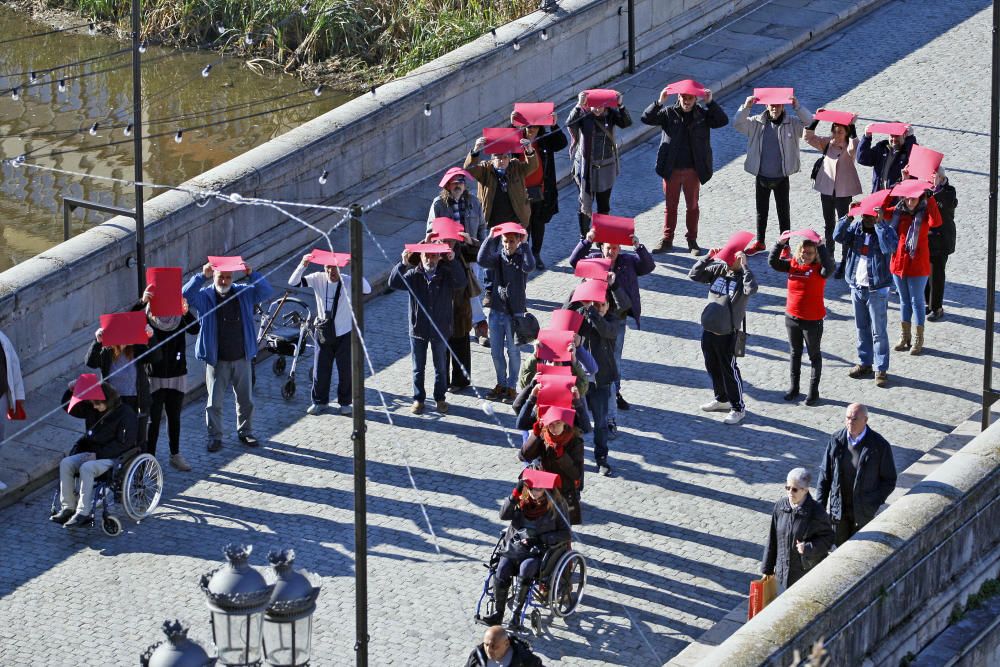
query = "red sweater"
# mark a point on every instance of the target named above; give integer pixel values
(537, 177)
(805, 291)
(902, 264)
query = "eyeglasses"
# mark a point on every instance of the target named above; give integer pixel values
(793, 489)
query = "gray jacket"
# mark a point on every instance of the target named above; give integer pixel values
(475, 223)
(727, 294)
(790, 132)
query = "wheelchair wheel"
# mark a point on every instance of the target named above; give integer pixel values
(142, 487)
(567, 584)
(288, 390)
(279, 365)
(111, 525)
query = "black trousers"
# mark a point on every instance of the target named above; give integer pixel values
(720, 362)
(809, 332)
(463, 350)
(172, 401)
(140, 437)
(834, 208)
(603, 200)
(934, 292)
(779, 186)
(326, 355)
(843, 529)
(536, 231)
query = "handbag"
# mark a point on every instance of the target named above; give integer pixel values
(535, 193)
(819, 163)
(741, 340)
(325, 333)
(474, 289)
(762, 592)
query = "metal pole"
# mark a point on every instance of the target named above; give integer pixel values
(989, 394)
(66, 213)
(631, 36)
(358, 436)
(140, 223)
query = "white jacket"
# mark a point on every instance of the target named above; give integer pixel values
(15, 383)
(324, 290)
(789, 133)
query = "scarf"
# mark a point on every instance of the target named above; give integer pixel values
(458, 210)
(913, 233)
(168, 323)
(501, 175)
(555, 442)
(532, 509)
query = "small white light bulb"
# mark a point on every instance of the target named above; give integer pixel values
(32, 77)
(143, 46)
(323, 177)
(92, 28)
(93, 130)
(61, 87)
(206, 70)
(128, 130)
(179, 137)
(15, 94)
(427, 109)
(318, 90)
(305, 8)
(517, 45)
(545, 34)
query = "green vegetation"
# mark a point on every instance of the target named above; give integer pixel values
(990, 588)
(357, 41)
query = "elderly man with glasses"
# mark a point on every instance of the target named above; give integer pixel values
(857, 474)
(801, 534)
(502, 650)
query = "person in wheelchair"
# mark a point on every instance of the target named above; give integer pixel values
(112, 429)
(538, 518)
(557, 447)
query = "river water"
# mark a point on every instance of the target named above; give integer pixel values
(175, 97)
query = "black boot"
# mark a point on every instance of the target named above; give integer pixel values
(795, 374)
(814, 376)
(584, 220)
(838, 274)
(520, 599)
(500, 594)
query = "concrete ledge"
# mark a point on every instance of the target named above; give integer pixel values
(896, 580)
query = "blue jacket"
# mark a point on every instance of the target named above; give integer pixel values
(437, 296)
(628, 267)
(201, 297)
(509, 275)
(875, 157)
(849, 232)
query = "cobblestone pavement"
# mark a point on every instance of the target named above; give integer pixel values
(672, 539)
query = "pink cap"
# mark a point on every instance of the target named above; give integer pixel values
(557, 413)
(452, 173)
(86, 388)
(124, 328)
(508, 228)
(613, 229)
(500, 140)
(868, 205)
(446, 229)
(892, 129)
(566, 320)
(924, 163)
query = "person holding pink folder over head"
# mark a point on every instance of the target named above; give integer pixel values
(227, 341)
(11, 387)
(888, 156)
(501, 180)
(592, 146)
(772, 153)
(684, 159)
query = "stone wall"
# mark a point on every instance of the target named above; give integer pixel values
(889, 590)
(49, 305)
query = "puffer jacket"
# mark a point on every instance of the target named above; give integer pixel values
(789, 134)
(809, 524)
(876, 156)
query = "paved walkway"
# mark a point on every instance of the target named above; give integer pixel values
(672, 540)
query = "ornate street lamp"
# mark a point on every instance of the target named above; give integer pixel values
(177, 651)
(288, 623)
(237, 597)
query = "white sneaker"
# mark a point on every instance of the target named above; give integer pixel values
(735, 416)
(314, 409)
(715, 406)
(346, 410)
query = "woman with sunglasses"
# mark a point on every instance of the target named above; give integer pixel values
(801, 534)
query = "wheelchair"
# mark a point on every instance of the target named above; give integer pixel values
(135, 482)
(558, 587)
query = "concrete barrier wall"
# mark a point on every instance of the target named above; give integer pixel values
(890, 589)
(49, 305)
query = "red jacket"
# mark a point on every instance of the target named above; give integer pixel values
(902, 264)
(805, 291)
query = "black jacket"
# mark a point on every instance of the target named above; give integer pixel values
(436, 297)
(101, 357)
(941, 240)
(523, 657)
(550, 140)
(548, 530)
(171, 356)
(110, 433)
(671, 121)
(599, 338)
(508, 275)
(809, 524)
(875, 479)
(569, 467)
(876, 156)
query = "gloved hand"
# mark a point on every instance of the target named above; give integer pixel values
(852, 131)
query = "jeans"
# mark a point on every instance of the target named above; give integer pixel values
(934, 292)
(322, 372)
(779, 186)
(834, 208)
(218, 378)
(685, 180)
(871, 318)
(616, 386)
(439, 357)
(89, 468)
(597, 401)
(911, 298)
(478, 314)
(720, 362)
(172, 401)
(501, 341)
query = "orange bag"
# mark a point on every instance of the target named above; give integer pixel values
(762, 592)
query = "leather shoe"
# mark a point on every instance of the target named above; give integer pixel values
(249, 440)
(215, 444)
(79, 520)
(62, 517)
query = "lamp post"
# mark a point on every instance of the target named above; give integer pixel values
(140, 223)
(237, 597)
(177, 651)
(288, 621)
